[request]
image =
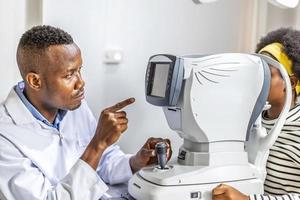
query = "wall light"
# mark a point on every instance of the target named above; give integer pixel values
(203, 1)
(285, 3)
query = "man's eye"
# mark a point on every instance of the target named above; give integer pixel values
(69, 75)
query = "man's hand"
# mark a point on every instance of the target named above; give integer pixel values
(112, 123)
(146, 155)
(226, 192)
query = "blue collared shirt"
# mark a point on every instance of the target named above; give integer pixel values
(19, 88)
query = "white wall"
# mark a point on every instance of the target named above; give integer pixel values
(262, 17)
(141, 28)
(15, 17)
(281, 17)
(10, 14)
(298, 17)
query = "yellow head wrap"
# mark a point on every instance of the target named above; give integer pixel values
(276, 50)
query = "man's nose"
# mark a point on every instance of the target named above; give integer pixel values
(80, 82)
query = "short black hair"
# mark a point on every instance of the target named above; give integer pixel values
(35, 42)
(290, 39)
(43, 36)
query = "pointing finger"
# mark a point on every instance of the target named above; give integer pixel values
(120, 105)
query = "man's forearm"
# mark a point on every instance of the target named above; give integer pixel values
(93, 153)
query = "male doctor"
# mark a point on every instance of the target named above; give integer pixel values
(51, 146)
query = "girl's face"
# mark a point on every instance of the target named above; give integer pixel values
(277, 88)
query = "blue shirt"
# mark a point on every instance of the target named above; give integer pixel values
(19, 88)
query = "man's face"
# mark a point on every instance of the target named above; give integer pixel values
(277, 88)
(62, 84)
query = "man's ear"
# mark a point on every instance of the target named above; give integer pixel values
(34, 80)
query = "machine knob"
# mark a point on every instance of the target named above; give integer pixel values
(161, 152)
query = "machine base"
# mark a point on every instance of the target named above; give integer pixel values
(141, 189)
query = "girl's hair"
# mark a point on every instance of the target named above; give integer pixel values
(290, 39)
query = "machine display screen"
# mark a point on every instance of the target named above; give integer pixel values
(161, 73)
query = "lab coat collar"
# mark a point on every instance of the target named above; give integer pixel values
(19, 88)
(15, 106)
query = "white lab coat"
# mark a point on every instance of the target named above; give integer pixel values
(40, 162)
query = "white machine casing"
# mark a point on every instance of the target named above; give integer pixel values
(218, 115)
